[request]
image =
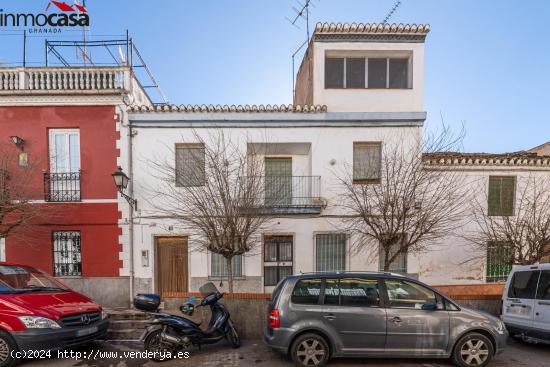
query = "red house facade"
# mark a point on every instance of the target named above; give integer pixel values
(72, 139)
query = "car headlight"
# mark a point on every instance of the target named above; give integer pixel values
(104, 315)
(37, 322)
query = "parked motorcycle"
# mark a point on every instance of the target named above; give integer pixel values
(171, 334)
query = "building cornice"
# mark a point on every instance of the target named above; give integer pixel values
(375, 32)
(486, 160)
(275, 119)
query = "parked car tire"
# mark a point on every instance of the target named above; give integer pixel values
(310, 350)
(473, 350)
(7, 345)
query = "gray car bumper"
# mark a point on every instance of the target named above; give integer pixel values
(278, 339)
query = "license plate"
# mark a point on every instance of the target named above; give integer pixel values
(518, 310)
(87, 331)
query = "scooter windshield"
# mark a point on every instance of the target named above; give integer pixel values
(208, 288)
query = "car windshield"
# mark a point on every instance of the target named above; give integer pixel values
(22, 279)
(207, 289)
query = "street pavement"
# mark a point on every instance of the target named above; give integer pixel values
(254, 353)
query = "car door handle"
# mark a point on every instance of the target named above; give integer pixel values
(543, 303)
(396, 319)
(330, 317)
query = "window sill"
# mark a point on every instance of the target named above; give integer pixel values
(373, 89)
(366, 181)
(241, 277)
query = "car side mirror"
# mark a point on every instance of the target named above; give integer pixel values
(430, 305)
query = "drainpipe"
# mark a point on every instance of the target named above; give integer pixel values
(131, 214)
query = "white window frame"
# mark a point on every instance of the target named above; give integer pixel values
(52, 151)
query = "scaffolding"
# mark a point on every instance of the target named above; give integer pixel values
(97, 53)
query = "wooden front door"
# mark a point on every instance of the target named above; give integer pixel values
(171, 265)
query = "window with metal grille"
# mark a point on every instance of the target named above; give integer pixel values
(334, 72)
(378, 69)
(399, 265)
(277, 259)
(364, 72)
(499, 261)
(330, 252)
(190, 165)
(4, 187)
(366, 162)
(355, 73)
(502, 193)
(67, 258)
(218, 266)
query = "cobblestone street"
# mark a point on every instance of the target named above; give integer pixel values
(254, 353)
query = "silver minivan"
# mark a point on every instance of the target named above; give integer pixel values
(313, 317)
(526, 303)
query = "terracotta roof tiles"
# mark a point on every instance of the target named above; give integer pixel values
(228, 109)
(521, 158)
(373, 28)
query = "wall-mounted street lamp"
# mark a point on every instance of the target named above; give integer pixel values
(17, 141)
(121, 182)
(23, 160)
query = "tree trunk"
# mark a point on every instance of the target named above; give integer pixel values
(387, 259)
(229, 261)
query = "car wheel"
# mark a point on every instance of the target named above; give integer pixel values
(473, 350)
(156, 347)
(309, 350)
(7, 345)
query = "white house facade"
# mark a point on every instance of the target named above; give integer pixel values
(359, 91)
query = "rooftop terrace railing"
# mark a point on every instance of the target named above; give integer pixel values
(66, 78)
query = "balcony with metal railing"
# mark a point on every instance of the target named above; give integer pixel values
(62, 187)
(291, 194)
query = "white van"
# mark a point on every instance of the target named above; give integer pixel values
(526, 303)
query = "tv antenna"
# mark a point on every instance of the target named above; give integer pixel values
(396, 5)
(302, 13)
(85, 54)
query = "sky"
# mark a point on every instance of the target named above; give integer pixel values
(487, 63)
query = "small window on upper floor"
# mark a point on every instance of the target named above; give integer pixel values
(362, 72)
(367, 162)
(334, 73)
(502, 194)
(190, 165)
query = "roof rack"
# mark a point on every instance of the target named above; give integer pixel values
(348, 272)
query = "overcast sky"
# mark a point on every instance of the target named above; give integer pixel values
(487, 62)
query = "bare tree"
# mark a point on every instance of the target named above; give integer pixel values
(408, 206)
(524, 236)
(17, 214)
(219, 202)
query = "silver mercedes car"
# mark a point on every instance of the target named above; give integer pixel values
(314, 317)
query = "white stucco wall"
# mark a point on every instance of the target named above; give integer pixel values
(327, 144)
(454, 259)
